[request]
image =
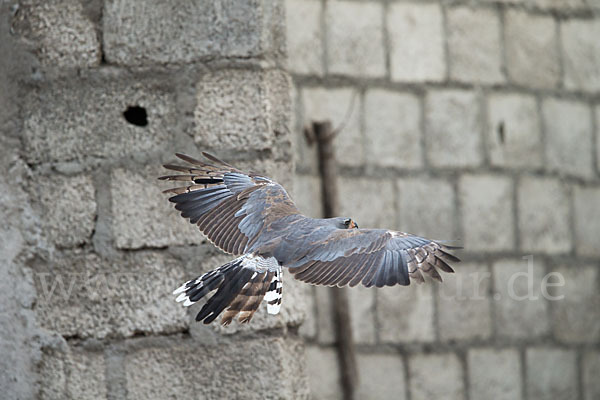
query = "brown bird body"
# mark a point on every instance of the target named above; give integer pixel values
(252, 216)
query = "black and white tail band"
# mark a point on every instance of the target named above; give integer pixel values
(240, 287)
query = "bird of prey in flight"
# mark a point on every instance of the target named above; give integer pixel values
(252, 216)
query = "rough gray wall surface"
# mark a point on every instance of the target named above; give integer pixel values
(476, 120)
(90, 249)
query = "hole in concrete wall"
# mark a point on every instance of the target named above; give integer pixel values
(500, 131)
(136, 115)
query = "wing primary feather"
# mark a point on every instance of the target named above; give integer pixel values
(221, 215)
(180, 168)
(363, 268)
(207, 218)
(383, 272)
(177, 178)
(333, 276)
(224, 230)
(325, 270)
(183, 189)
(448, 256)
(191, 160)
(395, 276)
(197, 194)
(381, 276)
(232, 234)
(310, 274)
(215, 159)
(239, 245)
(370, 275)
(342, 274)
(441, 264)
(200, 209)
(349, 272)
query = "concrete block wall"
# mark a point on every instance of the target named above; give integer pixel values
(470, 120)
(94, 97)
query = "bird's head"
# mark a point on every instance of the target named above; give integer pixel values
(345, 223)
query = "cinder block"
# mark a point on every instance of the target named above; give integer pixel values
(369, 202)
(576, 307)
(597, 112)
(405, 314)
(591, 370)
(586, 204)
(142, 216)
(305, 153)
(416, 37)
(19, 236)
(241, 110)
(436, 376)
(543, 212)
(551, 374)
(293, 308)
(308, 329)
(82, 120)
(464, 310)
(280, 171)
(426, 207)
(531, 49)
(568, 137)
(304, 36)
(60, 32)
(72, 374)
(320, 104)
(325, 322)
(494, 374)
(279, 105)
(469, 29)
(581, 51)
(361, 301)
(323, 373)
(393, 129)
(514, 131)
(381, 376)
(559, 5)
(355, 39)
(452, 141)
(307, 195)
(85, 296)
(521, 309)
(163, 32)
(487, 212)
(186, 368)
(503, 1)
(68, 209)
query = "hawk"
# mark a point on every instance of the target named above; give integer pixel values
(251, 216)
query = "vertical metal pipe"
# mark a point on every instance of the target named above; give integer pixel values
(324, 136)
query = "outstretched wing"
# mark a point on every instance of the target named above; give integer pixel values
(373, 257)
(229, 206)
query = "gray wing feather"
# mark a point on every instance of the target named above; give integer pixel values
(373, 257)
(229, 206)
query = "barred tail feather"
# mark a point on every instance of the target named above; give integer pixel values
(248, 300)
(240, 287)
(274, 294)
